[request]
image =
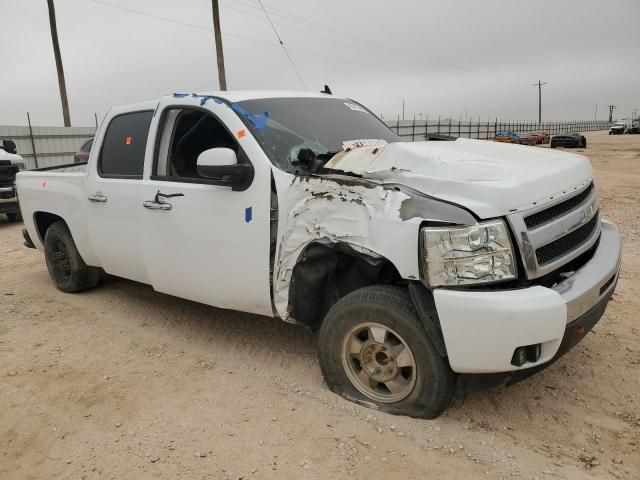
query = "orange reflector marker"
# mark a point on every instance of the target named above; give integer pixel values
(128, 140)
(241, 133)
(580, 330)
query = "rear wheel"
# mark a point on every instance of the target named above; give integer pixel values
(14, 217)
(66, 267)
(374, 350)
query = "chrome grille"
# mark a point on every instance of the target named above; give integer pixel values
(551, 235)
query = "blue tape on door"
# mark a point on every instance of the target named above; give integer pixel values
(248, 214)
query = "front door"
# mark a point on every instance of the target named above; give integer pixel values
(201, 241)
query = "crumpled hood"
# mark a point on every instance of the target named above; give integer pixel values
(491, 179)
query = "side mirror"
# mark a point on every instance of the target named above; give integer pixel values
(9, 146)
(221, 165)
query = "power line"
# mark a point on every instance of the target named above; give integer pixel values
(334, 31)
(305, 32)
(281, 43)
(255, 40)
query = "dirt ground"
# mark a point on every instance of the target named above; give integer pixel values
(125, 383)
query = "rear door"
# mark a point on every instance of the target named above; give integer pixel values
(212, 244)
(113, 190)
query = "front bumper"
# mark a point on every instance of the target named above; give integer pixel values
(482, 329)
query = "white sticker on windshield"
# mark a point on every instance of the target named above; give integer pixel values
(363, 142)
(355, 107)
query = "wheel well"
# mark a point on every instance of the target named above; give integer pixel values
(327, 272)
(43, 220)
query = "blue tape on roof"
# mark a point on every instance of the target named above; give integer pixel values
(258, 120)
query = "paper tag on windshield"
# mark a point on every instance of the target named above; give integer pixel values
(363, 142)
(355, 107)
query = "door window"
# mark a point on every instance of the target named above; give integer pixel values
(123, 147)
(186, 133)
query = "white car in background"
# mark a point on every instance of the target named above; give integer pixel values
(618, 128)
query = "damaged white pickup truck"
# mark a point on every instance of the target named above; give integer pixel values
(426, 267)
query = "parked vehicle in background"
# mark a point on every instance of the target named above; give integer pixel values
(568, 140)
(528, 139)
(540, 137)
(508, 136)
(10, 164)
(425, 267)
(633, 130)
(82, 155)
(618, 128)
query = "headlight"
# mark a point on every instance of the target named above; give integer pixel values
(480, 253)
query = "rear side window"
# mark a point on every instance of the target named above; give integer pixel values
(124, 143)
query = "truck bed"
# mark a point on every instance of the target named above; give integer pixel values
(67, 168)
(60, 191)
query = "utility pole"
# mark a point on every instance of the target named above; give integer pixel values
(595, 116)
(403, 109)
(611, 108)
(56, 52)
(222, 78)
(539, 85)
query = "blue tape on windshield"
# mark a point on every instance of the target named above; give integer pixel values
(180, 95)
(259, 121)
(248, 214)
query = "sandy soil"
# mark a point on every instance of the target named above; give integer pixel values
(125, 383)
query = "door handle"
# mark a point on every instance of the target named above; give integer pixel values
(159, 196)
(151, 205)
(98, 197)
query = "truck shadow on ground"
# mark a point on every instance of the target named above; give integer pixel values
(292, 349)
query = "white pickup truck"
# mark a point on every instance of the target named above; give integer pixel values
(425, 267)
(10, 164)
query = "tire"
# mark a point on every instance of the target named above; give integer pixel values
(347, 346)
(584, 143)
(66, 267)
(14, 217)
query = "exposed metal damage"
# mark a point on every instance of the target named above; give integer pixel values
(357, 218)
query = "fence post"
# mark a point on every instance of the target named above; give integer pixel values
(426, 127)
(449, 133)
(413, 129)
(459, 120)
(33, 144)
(398, 125)
(438, 132)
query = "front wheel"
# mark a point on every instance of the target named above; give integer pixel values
(66, 267)
(374, 350)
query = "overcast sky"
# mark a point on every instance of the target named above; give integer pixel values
(460, 58)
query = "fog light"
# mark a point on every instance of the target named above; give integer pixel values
(526, 354)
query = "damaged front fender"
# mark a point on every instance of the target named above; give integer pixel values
(374, 220)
